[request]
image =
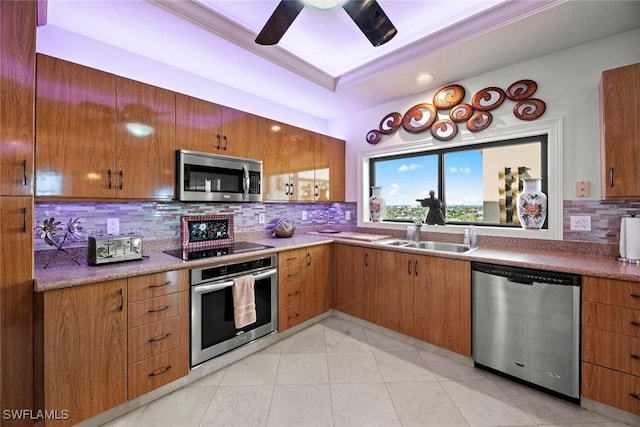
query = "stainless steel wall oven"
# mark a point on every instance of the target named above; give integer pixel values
(213, 330)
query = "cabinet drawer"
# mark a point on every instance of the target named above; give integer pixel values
(611, 387)
(611, 318)
(155, 285)
(613, 292)
(289, 275)
(290, 258)
(290, 293)
(152, 310)
(290, 316)
(611, 350)
(157, 337)
(157, 371)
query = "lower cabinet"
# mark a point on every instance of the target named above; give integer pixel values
(422, 296)
(611, 342)
(303, 284)
(81, 368)
(99, 345)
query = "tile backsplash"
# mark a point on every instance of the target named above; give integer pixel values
(161, 220)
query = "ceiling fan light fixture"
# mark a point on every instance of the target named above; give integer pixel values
(323, 5)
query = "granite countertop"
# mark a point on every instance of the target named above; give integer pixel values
(67, 275)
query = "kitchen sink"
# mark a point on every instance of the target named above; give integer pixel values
(427, 245)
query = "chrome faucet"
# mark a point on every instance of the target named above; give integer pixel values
(418, 225)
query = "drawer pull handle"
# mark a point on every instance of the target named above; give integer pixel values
(293, 294)
(293, 316)
(635, 296)
(162, 285)
(635, 323)
(292, 274)
(121, 293)
(160, 338)
(635, 356)
(634, 395)
(24, 173)
(158, 310)
(160, 371)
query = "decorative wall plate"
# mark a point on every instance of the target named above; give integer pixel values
(373, 136)
(461, 113)
(419, 118)
(444, 130)
(448, 96)
(529, 109)
(206, 231)
(522, 89)
(390, 123)
(488, 99)
(479, 121)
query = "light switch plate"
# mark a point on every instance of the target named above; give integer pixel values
(347, 215)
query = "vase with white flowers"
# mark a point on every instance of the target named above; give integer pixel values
(55, 234)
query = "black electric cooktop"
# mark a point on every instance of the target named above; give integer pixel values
(235, 248)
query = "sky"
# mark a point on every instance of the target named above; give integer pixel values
(407, 179)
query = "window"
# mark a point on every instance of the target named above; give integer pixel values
(477, 184)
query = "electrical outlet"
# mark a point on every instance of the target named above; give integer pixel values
(261, 218)
(113, 226)
(581, 223)
(347, 215)
(304, 215)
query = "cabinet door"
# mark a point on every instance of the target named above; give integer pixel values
(145, 148)
(443, 303)
(620, 132)
(354, 271)
(198, 124)
(301, 164)
(276, 153)
(239, 134)
(75, 132)
(315, 280)
(391, 297)
(329, 169)
(16, 302)
(85, 349)
(17, 68)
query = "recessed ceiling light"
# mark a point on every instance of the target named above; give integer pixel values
(424, 78)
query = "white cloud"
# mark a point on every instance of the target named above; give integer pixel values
(465, 169)
(394, 190)
(411, 167)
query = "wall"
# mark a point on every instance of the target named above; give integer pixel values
(567, 82)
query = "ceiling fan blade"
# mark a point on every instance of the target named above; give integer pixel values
(371, 19)
(279, 22)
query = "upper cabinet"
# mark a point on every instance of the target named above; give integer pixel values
(204, 126)
(17, 68)
(101, 136)
(300, 165)
(620, 132)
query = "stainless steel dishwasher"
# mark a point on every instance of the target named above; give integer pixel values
(526, 324)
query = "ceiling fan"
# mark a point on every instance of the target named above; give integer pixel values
(367, 14)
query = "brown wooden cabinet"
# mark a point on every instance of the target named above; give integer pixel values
(443, 303)
(299, 165)
(158, 321)
(17, 89)
(82, 362)
(211, 128)
(611, 342)
(355, 273)
(303, 285)
(620, 132)
(102, 136)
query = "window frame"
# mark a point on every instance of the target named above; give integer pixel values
(441, 153)
(551, 127)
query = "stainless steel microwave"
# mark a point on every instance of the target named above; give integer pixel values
(206, 177)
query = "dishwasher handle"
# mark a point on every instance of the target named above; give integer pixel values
(527, 276)
(521, 281)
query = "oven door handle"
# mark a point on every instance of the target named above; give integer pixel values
(217, 286)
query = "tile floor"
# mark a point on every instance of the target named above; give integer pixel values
(337, 373)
